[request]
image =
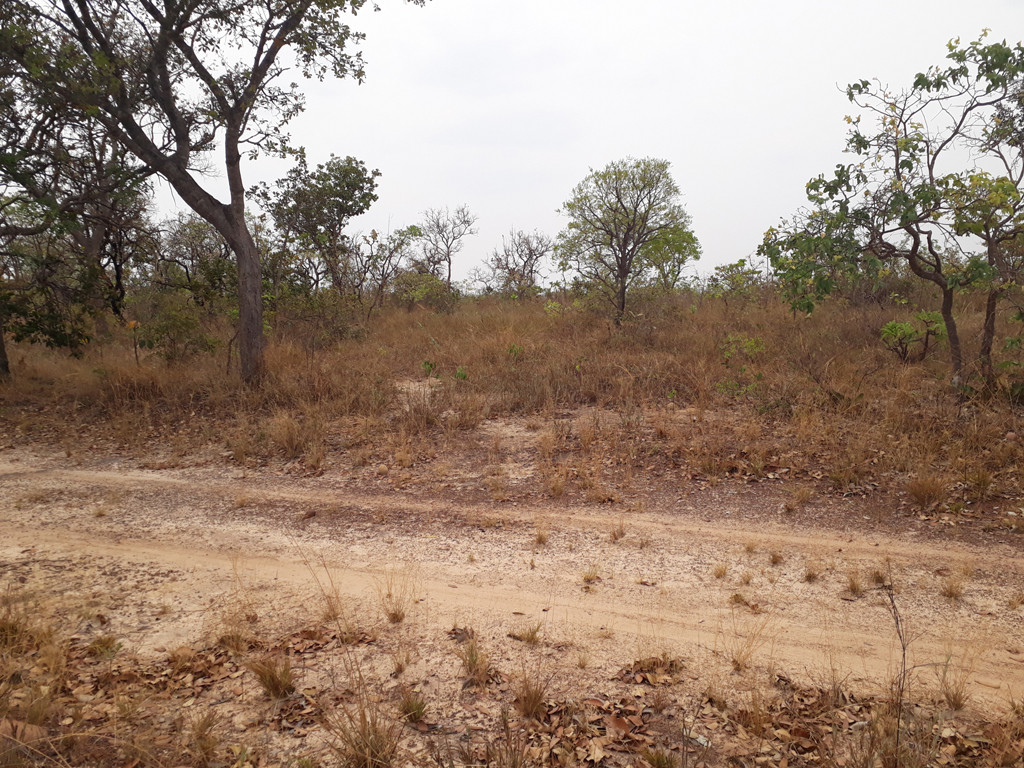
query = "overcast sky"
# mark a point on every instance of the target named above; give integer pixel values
(506, 106)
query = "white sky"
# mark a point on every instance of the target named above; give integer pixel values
(506, 106)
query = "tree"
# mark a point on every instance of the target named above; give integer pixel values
(73, 219)
(623, 220)
(936, 186)
(442, 235)
(311, 209)
(668, 256)
(45, 292)
(67, 192)
(515, 267)
(173, 81)
(377, 260)
(193, 257)
(738, 279)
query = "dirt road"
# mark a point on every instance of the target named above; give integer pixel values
(166, 556)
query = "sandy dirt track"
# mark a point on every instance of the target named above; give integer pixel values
(164, 555)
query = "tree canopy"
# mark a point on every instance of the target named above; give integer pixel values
(442, 234)
(174, 82)
(312, 208)
(935, 186)
(625, 224)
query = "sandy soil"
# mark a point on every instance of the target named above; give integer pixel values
(168, 557)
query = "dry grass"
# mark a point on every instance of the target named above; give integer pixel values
(745, 638)
(274, 673)
(103, 647)
(927, 490)
(412, 706)
(510, 750)
(204, 738)
(476, 663)
(823, 395)
(854, 584)
(529, 634)
(823, 401)
(657, 758)
(531, 690)
(952, 587)
(618, 532)
(799, 497)
(812, 571)
(401, 658)
(396, 590)
(955, 678)
(361, 734)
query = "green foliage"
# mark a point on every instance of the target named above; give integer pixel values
(900, 337)
(553, 308)
(173, 326)
(311, 210)
(36, 315)
(515, 267)
(626, 225)
(319, 319)
(441, 235)
(47, 295)
(193, 257)
(415, 288)
(173, 82)
(739, 352)
(892, 206)
(736, 280)
(740, 347)
(667, 256)
(1012, 348)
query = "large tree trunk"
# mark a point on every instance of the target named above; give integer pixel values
(250, 304)
(250, 274)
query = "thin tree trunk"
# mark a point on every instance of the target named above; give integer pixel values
(932, 274)
(956, 358)
(5, 363)
(620, 302)
(988, 334)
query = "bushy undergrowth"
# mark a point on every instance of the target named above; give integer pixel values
(717, 386)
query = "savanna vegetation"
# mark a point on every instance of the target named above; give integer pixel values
(875, 350)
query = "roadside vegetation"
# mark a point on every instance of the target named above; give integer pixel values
(705, 386)
(875, 351)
